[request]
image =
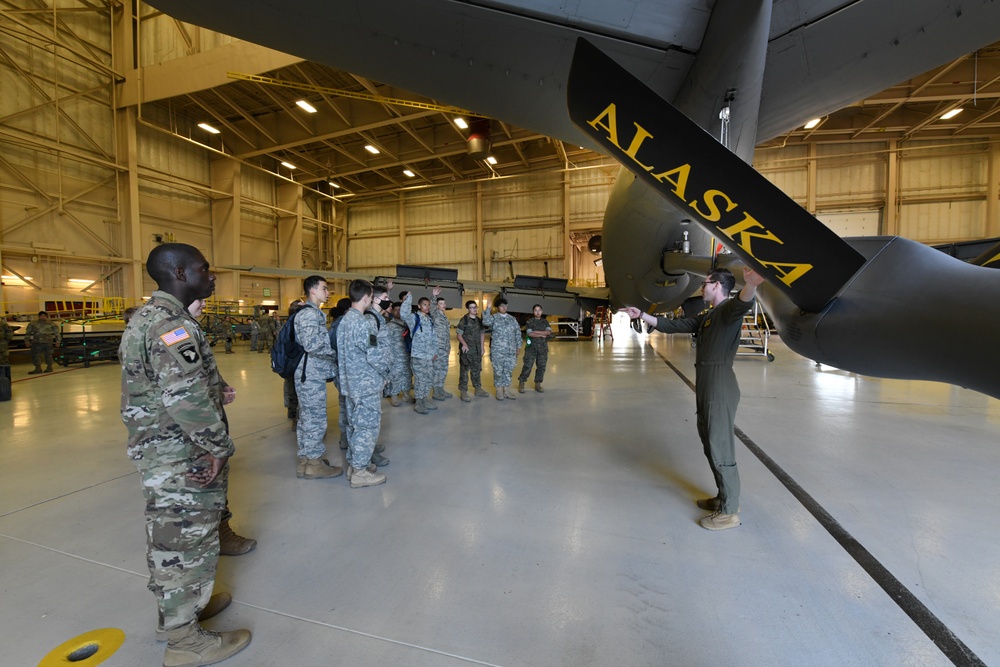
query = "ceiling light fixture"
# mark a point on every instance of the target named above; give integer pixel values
(334, 185)
(951, 114)
(371, 149)
(288, 165)
(408, 173)
(813, 123)
(306, 106)
(209, 128)
(491, 159)
(461, 123)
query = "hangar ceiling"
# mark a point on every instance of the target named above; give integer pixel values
(260, 122)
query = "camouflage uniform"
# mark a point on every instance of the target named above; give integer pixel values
(254, 334)
(6, 335)
(471, 362)
(400, 374)
(172, 408)
(536, 350)
(42, 337)
(363, 367)
(311, 333)
(266, 339)
(442, 329)
(423, 347)
(505, 341)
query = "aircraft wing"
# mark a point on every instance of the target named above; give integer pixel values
(510, 59)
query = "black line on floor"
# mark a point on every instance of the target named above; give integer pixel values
(946, 640)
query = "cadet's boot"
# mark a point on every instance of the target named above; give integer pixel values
(481, 392)
(465, 396)
(445, 392)
(363, 478)
(231, 544)
(48, 369)
(538, 388)
(500, 393)
(194, 646)
(379, 448)
(300, 470)
(719, 521)
(320, 469)
(295, 425)
(520, 386)
(37, 371)
(419, 407)
(710, 504)
(509, 393)
(379, 460)
(293, 413)
(343, 441)
(437, 393)
(216, 604)
(394, 400)
(430, 404)
(371, 467)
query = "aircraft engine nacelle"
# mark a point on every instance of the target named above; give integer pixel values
(872, 327)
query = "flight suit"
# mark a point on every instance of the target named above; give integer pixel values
(717, 393)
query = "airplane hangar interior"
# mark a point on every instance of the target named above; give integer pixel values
(586, 156)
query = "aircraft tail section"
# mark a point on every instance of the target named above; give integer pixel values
(769, 231)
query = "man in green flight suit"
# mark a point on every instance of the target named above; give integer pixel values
(178, 440)
(716, 392)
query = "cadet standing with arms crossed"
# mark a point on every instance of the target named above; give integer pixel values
(536, 349)
(178, 441)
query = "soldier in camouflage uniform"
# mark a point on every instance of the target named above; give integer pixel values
(336, 313)
(377, 313)
(423, 348)
(311, 375)
(471, 343)
(442, 329)
(179, 442)
(254, 333)
(6, 335)
(505, 341)
(363, 368)
(291, 400)
(536, 349)
(42, 336)
(400, 373)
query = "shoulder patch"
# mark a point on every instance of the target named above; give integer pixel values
(188, 353)
(175, 336)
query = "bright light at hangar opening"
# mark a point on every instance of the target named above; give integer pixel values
(305, 106)
(371, 149)
(461, 123)
(209, 128)
(813, 123)
(288, 165)
(409, 173)
(951, 114)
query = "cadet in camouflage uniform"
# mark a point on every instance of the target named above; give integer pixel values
(471, 343)
(291, 400)
(254, 334)
(716, 392)
(336, 314)
(363, 368)
(505, 341)
(442, 329)
(178, 440)
(311, 375)
(423, 349)
(400, 373)
(42, 336)
(536, 349)
(377, 313)
(6, 335)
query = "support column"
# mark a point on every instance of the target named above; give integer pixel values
(992, 227)
(128, 205)
(480, 253)
(890, 220)
(226, 227)
(402, 229)
(567, 246)
(811, 179)
(289, 200)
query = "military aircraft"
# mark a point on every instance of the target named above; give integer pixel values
(744, 71)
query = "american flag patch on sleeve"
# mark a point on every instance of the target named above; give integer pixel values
(175, 336)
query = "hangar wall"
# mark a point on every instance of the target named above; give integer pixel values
(88, 186)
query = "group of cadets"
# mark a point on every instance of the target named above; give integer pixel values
(375, 348)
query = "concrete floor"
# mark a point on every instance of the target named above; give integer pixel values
(558, 529)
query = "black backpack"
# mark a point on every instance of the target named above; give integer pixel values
(286, 351)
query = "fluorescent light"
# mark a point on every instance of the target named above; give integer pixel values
(16, 278)
(371, 149)
(813, 123)
(461, 123)
(208, 128)
(269, 302)
(408, 173)
(306, 106)
(81, 281)
(599, 262)
(491, 159)
(951, 114)
(335, 185)
(288, 165)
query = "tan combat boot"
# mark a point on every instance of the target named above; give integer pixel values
(509, 391)
(437, 393)
(300, 469)
(216, 604)
(481, 392)
(419, 407)
(465, 397)
(320, 469)
(538, 388)
(231, 544)
(194, 646)
(363, 478)
(394, 400)
(500, 393)
(520, 386)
